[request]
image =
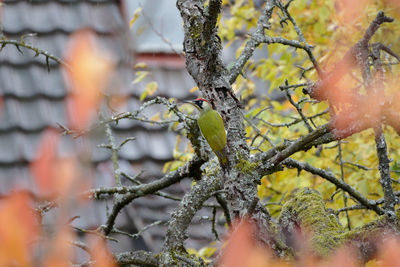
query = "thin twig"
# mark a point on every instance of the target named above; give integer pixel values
(263, 136)
(306, 47)
(114, 154)
(213, 223)
(298, 108)
(341, 162)
(139, 233)
(38, 51)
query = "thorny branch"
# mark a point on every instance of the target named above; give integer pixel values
(171, 107)
(38, 51)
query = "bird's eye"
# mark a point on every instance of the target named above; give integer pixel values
(199, 103)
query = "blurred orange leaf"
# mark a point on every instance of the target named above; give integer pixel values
(42, 167)
(100, 253)
(54, 176)
(59, 252)
(88, 73)
(18, 229)
(388, 253)
(350, 10)
(241, 250)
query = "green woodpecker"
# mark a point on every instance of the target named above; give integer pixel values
(212, 128)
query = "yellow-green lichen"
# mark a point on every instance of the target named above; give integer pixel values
(195, 30)
(245, 165)
(308, 208)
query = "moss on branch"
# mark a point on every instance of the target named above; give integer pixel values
(304, 212)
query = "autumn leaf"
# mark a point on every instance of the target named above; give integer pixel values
(100, 253)
(388, 253)
(241, 250)
(18, 230)
(150, 89)
(89, 69)
(59, 251)
(54, 176)
(136, 15)
(42, 167)
(349, 10)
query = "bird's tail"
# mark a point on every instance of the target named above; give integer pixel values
(222, 158)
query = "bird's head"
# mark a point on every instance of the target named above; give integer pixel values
(199, 103)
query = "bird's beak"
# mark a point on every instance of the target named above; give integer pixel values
(191, 103)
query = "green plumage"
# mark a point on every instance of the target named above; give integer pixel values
(213, 130)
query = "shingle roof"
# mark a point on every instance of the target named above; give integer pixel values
(33, 100)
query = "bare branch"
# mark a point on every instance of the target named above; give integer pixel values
(132, 192)
(38, 51)
(255, 40)
(340, 184)
(140, 232)
(341, 163)
(298, 108)
(298, 145)
(384, 169)
(114, 154)
(139, 258)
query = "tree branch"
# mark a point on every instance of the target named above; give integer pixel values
(369, 204)
(212, 11)
(384, 170)
(299, 144)
(138, 258)
(255, 40)
(132, 192)
(37, 51)
(182, 216)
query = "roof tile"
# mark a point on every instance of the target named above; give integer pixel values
(23, 16)
(9, 143)
(14, 178)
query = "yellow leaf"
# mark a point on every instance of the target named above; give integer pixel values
(150, 89)
(140, 30)
(167, 166)
(155, 117)
(140, 75)
(194, 89)
(140, 65)
(135, 16)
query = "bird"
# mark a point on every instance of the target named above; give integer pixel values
(212, 128)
